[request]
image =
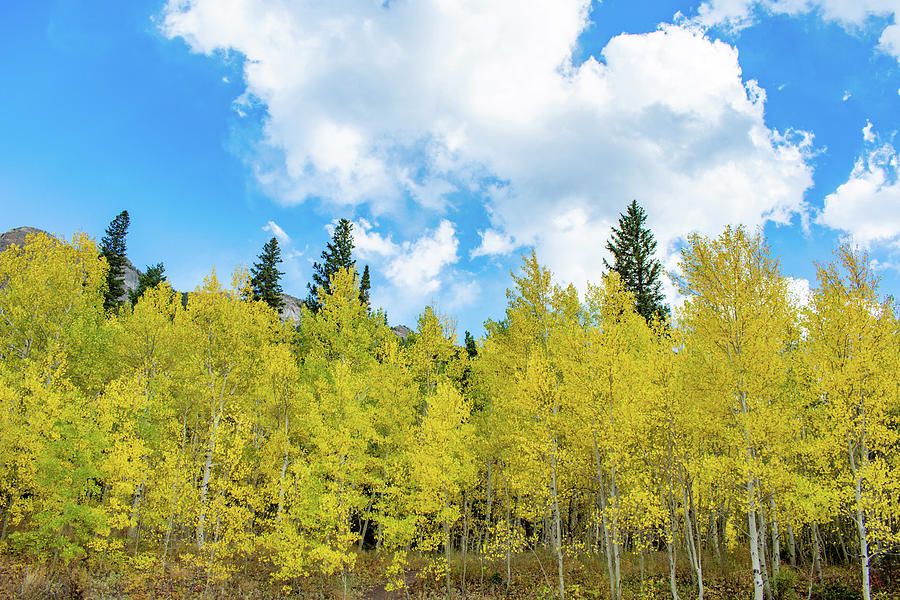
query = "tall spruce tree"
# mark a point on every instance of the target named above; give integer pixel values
(112, 248)
(365, 284)
(632, 246)
(471, 346)
(264, 276)
(152, 277)
(338, 254)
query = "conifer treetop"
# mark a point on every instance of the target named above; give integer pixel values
(265, 276)
(112, 248)
(338, 254)
(633, 250)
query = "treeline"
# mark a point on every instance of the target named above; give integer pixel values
(211, 433)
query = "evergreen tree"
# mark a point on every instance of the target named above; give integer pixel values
(112, 248)
(264, 276)
(152, 277)
(364, 286)
(632, 246)
(471, 347)
(338, 254)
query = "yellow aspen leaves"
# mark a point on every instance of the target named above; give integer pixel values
(200, 430)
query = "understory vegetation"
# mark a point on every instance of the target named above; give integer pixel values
(744, 447)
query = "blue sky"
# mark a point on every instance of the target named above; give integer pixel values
(456, 135)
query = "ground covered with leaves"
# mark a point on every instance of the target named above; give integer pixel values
(531, 577)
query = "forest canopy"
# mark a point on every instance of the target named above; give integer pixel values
(212, 433)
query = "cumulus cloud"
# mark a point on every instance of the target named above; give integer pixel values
(889, 42)
(417, 265)
(850, 14)
(391, 103)
(867, 205)
(273, 228)
(493, 242)
(369, 243)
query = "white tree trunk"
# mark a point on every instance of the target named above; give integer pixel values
(758, 586)
(557, 532)
(861, 520)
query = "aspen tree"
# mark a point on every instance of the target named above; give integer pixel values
(614, 380)
(737, 314)
(151, 353)
(442, 468)
(228, 336)
(851, 347)
(339, 352)
(534, 407)
(50, 306)
(48, 299)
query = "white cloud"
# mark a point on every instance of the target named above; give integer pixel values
(853, 15)
(493, 242)
(867, 205)
(889, 43)
(368, 243)
(868, 134)
(799, 291)
(372, 103)
(273, 228)
(417, 267)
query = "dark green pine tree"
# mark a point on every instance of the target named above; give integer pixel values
(338, 254)
(365, 284)
(112, 248)
(152, 277)
(632, 247)
(471, 347)
(264, 276)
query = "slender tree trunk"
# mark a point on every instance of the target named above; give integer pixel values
(615, 531)
(284, 466)
(764, 559)
(207, 467)
(365, 526)
(605, 523)
(168, 539)
(487, 516)
(752, 486)
(465, 540)
(135, 511)
(558, 531)
(670, 539)
(758, 585)
(776, 541)
(447, 543)
(817, 551)
(643, 552)
(861, 520)
(792, 545)
(844, 551)
(508, 537)
(670, 548)
(5, 523)
(714, 530)
(693, 548)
